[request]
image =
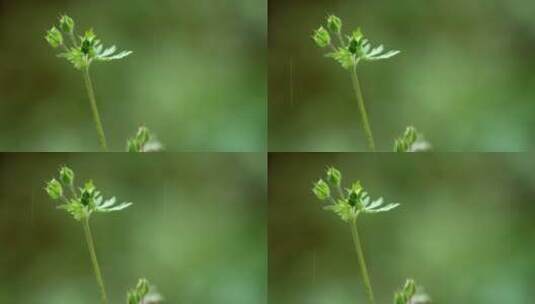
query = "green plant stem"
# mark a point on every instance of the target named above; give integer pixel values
(362, 262)
(94, 109)
(362, 108)
(94, 260)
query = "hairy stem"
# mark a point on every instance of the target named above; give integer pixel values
(362, 262)
(94, 109)
(94, 260)
(362, 109)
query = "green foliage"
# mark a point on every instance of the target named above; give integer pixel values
(82, 203)
(348, 206)
(350, 50)
(143, 141)
(80, 51)
(143, 293)
(411, 141)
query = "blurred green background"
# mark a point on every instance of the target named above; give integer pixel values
(464, 77)
(464, 229)
(199, 236)
(197, 77)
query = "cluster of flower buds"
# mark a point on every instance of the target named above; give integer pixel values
(82, 203)
(54, 188)
(54, 36)
(349, 204)
(351, 49)
(81, 50)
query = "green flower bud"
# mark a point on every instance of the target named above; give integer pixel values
(142, 287)
(405, 295)
(54, 37)
(66, 175)
(137, 143)
(88, 194)
(143, 135)
(88, 43)
(399, 298)
(334, 24)
(400, 146)
(54, 189)
(410, 135)
(405, 142)
(136, 295)
(355, 42)
(66, 24)
(132, 145)
(321, 190)
(355, 194)
(321, 37)
(133, 297)
(334, 176)
(409, 288)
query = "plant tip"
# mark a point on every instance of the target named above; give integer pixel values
(321, 37)
(54, 37)
(321, 190)
(334, 24)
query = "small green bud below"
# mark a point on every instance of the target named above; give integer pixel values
(406, 294)
(400, 146)
(143, 134)
(410, 287)
(334, 24)
(143, 141)
(66, 24)
(321, 190)
(54, 189)
(137, 295)
(334, 176)
(142, 287)
(321, 37)
(54, 37)
(410, 134)
(411, 141)
(66, 175)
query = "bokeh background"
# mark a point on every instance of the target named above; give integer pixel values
(464, 77)
(199, 236)
(464, 229)
(197, 77)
